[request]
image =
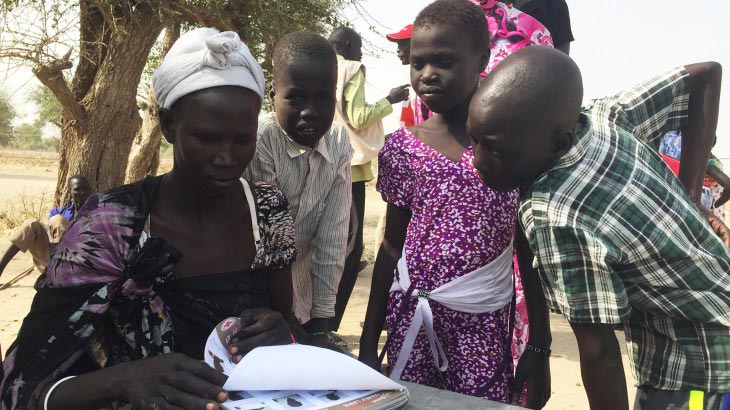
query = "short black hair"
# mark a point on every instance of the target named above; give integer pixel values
(299, 45)
(343, 32)
(460, 13)
(77, 177)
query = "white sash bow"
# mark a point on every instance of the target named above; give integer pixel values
(485, 289)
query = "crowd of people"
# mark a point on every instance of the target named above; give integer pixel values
(506, 199)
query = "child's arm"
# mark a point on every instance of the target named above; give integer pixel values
(601, 366)
(329, 247)
(533, 368)
(699, 133)
(360, 114)
(282, 293)
(396, 224)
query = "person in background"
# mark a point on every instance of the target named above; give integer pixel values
(718, 182)
(716, 186)
(307, 157)
(364, 124)
(446, 262)
(617, 238)
(31, 237)
(403, 39)
(554, 15)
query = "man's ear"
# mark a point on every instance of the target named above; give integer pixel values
(484, 60)
(166, 125)
(563, 141)
(348, 48)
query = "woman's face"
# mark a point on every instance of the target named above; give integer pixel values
(213, 132)
(445, 67)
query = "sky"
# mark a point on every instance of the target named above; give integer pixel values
(618, 44)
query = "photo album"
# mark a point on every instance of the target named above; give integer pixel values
(298, 377)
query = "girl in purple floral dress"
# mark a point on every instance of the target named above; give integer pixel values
(442, 224)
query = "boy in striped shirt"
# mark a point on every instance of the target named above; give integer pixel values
(308, 158)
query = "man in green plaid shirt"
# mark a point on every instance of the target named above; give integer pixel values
(617, 238)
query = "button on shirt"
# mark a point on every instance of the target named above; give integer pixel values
(618, 240)
(317, 183)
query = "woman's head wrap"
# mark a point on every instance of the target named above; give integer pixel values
(205, 58)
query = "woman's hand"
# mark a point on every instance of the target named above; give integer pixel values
(259, 327)
(171, 381)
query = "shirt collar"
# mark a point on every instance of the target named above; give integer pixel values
(294, 149)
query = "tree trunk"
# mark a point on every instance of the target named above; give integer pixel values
(144, 157)
(98, 146)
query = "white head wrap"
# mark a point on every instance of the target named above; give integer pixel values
(205, 58)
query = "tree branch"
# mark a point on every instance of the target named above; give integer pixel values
(180, 11)
(103, 9)
(94, 38)
(51, 75)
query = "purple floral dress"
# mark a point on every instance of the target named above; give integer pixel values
(457, 226)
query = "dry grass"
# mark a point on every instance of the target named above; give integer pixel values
(16, 210)
(20, 161)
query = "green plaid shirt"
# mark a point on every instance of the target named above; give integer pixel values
(617, 240)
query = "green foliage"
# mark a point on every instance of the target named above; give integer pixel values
(30, 136)
(261, 24)
(7, 115)
(27, 136)
(49, 109)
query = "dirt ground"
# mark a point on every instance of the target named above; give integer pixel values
(33, 174)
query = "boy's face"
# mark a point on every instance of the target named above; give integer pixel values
(404, 51)
(445, 67)
(509, 151)
(304, 100)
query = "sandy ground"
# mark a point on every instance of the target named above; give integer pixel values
(16, 177)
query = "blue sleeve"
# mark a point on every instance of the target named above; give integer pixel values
(55, 211)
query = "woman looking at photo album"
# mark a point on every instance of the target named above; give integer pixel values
(116, 297)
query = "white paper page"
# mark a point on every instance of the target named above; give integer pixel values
(300, 367)
(216, 355)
